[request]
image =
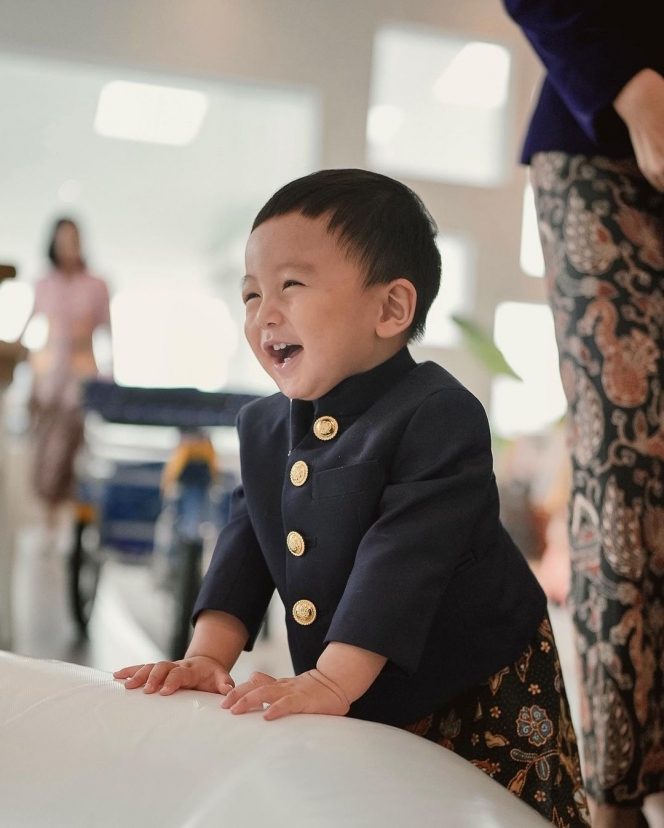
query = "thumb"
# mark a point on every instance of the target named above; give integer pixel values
(224, 683)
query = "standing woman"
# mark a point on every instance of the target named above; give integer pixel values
(596, 150)
(74, 304)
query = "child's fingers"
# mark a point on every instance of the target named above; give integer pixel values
(158, 675)
(223, 681)
(225, 684)
(256, 680)
(285, 706)
(231, 698)
(127, 672)
(177, 678)
(255, 699)
(139, 678)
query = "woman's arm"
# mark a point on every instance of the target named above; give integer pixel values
(641, 106)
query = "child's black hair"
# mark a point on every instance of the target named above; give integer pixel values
(382, 224)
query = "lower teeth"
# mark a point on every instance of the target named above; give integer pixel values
(287, 359)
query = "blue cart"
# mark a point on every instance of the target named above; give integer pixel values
(118, 514)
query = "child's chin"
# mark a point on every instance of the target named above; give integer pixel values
(293, 388)
(289, 388)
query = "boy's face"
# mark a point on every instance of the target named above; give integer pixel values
(302, 291)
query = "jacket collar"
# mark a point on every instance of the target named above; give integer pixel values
(351, 397)
(355, 395)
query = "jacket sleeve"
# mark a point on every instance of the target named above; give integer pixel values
(442, 474)
(238, 580)
(588, 56)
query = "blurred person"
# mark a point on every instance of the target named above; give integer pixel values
(533, 474)
(74, 304)
(596, 150)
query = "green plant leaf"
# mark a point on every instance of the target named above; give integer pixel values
(485, 350)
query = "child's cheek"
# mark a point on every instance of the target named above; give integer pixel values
(251, 333)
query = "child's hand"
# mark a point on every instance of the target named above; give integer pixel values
(307, 693)
(195, 673)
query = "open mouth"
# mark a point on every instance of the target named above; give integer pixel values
(281, 353)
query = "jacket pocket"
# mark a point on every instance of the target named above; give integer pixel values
(347, 480)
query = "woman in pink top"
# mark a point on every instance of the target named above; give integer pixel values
(74, 304)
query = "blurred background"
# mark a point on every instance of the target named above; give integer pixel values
(161, 127)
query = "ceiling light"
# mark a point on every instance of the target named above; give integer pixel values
(149, 113)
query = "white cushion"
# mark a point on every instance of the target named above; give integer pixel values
(77, 750)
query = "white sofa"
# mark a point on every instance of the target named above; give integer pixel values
(79, 751)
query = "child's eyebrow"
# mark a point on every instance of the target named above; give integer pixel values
(301, 266)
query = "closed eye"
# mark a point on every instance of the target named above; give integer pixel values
(292, 283)
(248, 296)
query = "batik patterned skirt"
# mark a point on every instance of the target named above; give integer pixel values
(602, 231)
(516, 727)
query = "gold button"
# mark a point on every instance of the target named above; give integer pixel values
(325, 428)
(299, 473)
(295, 542)
(304, 612)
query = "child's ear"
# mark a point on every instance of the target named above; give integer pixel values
(397, 309)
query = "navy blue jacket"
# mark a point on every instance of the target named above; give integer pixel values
(404, 551)
(590, 49)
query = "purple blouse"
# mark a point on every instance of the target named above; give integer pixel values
(590, 50)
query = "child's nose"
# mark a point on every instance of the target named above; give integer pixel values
(268, 314)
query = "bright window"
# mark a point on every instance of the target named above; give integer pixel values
(16, 301)
(456, 295)
(438, 107)
(524, 333)
(532, 260)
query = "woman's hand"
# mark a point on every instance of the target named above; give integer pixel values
(307, 693)
(641, 106)
(193, 673)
